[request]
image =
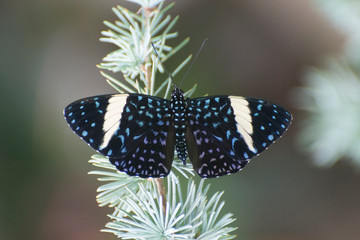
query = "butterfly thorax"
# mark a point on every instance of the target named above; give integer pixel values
(178, 106)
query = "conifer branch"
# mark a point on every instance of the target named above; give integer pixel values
(149, 208)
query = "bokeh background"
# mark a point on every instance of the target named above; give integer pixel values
(49, 51)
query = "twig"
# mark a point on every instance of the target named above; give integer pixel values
(161, 189)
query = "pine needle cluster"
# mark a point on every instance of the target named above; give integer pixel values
(331, 93)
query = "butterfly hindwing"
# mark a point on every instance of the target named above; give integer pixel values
(224, 132)
(208, 144)
(134, 130)
(148, 135)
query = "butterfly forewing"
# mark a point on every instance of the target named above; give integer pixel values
(135, 131)
(224, 132)
(86, 118)
(269, 121)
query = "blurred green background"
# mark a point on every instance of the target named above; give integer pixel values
(49, 51)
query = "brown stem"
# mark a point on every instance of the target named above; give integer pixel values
(147, 73)
(161, 189)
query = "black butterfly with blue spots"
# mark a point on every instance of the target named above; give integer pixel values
(138, 133)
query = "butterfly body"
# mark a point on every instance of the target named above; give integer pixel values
(178, 107)
(139, 133)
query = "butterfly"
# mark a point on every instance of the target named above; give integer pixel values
(139, 133)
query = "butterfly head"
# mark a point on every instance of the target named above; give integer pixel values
(177, 91)
(177, 99)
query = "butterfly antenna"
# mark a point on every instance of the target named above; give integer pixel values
(168, 73)
(192, 63)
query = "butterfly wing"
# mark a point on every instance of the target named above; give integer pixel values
(224, 132)
(134, 131)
